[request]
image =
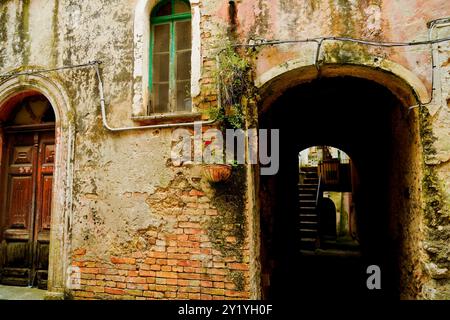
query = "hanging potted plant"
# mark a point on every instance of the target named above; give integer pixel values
(235, 91)
(215, 171)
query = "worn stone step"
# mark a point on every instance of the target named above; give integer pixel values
(306, 199)
(337, 245)
(312, 191)
(308, 252)
(308, 233)
(306, 239)
(307, 203)
(308, 224)
(308, 193)
(309, 213)
(308, 186)
(309, 217)
(307, 244)
(307, 208)
(308, 230)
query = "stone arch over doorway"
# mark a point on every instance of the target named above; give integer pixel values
(404, 84)
(345, 107)
(14, 90)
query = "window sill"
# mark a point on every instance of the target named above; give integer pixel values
(166, 118)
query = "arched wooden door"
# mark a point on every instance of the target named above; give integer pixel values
(26, 193)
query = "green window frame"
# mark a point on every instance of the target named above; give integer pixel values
(170, 62)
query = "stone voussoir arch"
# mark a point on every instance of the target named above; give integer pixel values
(402, 82)
(49, 86)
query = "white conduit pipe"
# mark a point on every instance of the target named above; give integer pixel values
(437, 23)
(156, 126)
(319, 41)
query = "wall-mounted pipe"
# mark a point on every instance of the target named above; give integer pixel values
(431, 25)
(319, 41)
(437, 23)
(118, 129)
(441, 22)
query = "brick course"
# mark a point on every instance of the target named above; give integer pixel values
(183, 264)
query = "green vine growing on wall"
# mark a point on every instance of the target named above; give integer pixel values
(238, 95)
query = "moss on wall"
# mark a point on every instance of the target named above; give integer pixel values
(22, 45)
(342, 22)
(55, 34)
(229, 199)
(238, 279)
(3, 32)
(435, 210)
(345, 53)
(437, 217)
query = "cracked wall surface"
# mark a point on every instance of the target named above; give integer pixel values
(140, 227)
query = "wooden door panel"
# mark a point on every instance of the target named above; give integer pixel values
(16, 277)
(20, 184)
(49, 153)
(41, 267)
(47, 184)
(44, 203)
(20, 201)
(16, 269)
(18, 197)
(22, 155)
(26, 208)
(42, 251)
(17, 254)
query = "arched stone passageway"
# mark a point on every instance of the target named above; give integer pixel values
(381, 135)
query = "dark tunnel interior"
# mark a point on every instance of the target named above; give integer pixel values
(366, 121)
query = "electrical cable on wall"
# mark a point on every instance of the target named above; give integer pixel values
(319, 41)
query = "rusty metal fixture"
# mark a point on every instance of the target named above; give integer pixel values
(216, 172)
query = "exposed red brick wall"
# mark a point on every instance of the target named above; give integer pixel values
(187, 266)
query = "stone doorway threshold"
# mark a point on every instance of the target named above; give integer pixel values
(21, 293)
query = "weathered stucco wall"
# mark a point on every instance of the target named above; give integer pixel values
(406, 224)
(139, 226)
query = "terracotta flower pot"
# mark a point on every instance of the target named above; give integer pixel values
(217, 172)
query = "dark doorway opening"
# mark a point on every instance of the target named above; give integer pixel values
(381, 136)
(27, 164)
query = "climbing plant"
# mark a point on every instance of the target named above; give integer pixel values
(237, 92)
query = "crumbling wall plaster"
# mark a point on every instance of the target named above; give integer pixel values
(118, 178)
